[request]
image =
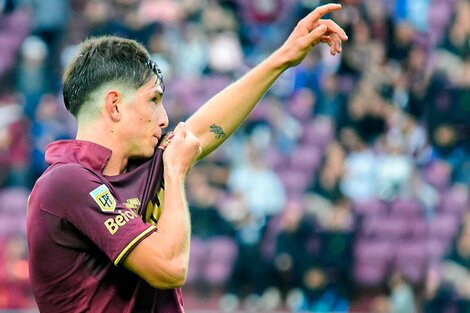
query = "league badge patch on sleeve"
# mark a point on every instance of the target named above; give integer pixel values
(104, 198)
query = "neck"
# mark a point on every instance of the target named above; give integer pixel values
(117, 163)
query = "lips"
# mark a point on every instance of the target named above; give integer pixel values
(157, 139)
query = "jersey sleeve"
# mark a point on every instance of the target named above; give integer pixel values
(84, 200)
(154, 182)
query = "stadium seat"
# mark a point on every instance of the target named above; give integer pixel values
(411, 260)
(370, 207)
(196, 260)
(407, 208)
(454, 201)
(443, 227)
(372, 260)
(13, 201)
(437, 249)
(219, 260)
(318, 133)
(12, 225)
(438, 175)
(418, 227)
(306, 158)
(295, 181)
(385, 227)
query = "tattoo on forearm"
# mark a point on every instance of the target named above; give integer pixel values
(217, 130)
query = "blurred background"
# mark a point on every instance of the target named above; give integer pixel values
(347, 190)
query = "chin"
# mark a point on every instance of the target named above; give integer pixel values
(144, 154)
(148, 153)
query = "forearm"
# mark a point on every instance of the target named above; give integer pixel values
(162, 258)
(218, 118)
(174, 223)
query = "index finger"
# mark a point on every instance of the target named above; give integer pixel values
(318, 13)
(180, 129)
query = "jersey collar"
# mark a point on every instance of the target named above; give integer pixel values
(86, 153)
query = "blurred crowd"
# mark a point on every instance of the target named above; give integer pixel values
(347, 189)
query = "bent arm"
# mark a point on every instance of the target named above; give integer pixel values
(162, 258)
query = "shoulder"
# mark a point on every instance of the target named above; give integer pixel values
(64, 184)
(68, 176)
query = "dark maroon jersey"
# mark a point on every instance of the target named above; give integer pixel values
(81, 224)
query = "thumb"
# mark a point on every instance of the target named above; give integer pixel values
(315, 35)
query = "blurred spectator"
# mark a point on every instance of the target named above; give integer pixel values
(402, 299)
(458, 32)
(456, 269)
(415, 140)
(50, 18)
(319, 296)
(192, 53)
(331, 101)
(309, 73)
(258, 185)
(357, 52)
(447, 148)
(380, 304)
(325, 187)
(207, 221)
(338, 144)
(401, 43)
(249, 276)
(285, 129)
(15, 292)
(395, 170)
(15, 25)
(296, 246)
(213, 249)
(302, 105)
(14, 143)
(47, 127)
(225, 55)
(33, 77)
(359, 180)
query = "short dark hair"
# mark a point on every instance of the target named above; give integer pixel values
(102, 60)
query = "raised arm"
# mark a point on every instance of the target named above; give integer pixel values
(218, 118)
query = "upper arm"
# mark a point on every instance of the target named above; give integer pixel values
(80, 197)
(77, 195)
(148, 260)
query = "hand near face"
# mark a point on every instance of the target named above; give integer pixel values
(310, 31)
(182, 151)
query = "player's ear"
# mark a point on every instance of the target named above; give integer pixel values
(112, 105)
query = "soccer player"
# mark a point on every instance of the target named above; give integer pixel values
(108, 228)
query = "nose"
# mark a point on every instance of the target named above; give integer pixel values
(163, 118)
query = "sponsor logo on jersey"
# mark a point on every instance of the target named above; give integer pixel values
(104, 198)
(113, 224)
(133, 204)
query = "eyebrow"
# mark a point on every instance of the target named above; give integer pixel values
(156, 90)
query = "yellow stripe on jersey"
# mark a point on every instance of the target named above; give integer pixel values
(153, 210)
(132, 243)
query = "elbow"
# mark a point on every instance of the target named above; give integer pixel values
(171, 277)
(167, 284)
